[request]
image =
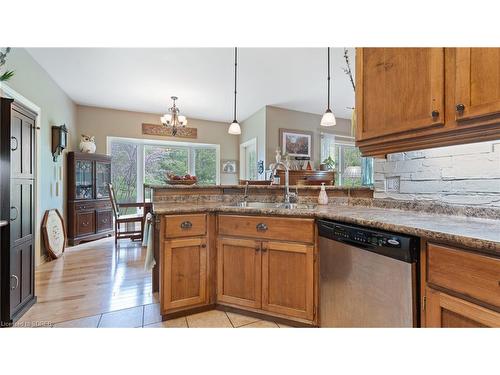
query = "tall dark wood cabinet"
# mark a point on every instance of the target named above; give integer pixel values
(89, 209)
(17, 210)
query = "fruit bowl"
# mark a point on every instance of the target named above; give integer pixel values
(173, 179)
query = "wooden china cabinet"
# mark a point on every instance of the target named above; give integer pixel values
(89, 208)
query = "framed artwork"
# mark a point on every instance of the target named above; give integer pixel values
(54, 233)
(228, 166)
(296, 142)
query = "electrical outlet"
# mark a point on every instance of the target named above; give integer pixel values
(392, 184)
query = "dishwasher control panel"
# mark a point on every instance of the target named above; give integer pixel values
(399, 246)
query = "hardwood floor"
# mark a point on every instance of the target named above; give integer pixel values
(91, 279)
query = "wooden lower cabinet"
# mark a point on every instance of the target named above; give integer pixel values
(271, 276)
(288, 279)
(239, 272)
(443, 310)
(184, 273)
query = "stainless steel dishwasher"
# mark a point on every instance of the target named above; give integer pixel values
(368, 278)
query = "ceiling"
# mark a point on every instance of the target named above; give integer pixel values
(144, 79)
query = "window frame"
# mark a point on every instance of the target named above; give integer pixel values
(141, 142)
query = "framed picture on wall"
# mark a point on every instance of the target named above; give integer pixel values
(296, 142)
(228, 166)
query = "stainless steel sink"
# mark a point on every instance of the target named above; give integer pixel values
(287, 206)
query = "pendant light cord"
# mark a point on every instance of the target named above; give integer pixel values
(328, 107)
(235, 77)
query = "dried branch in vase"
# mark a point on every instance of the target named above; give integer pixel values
(348, 70)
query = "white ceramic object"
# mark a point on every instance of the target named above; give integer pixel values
(322, 197)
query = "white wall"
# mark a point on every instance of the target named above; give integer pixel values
(33, 82)
(464, 174)
(255, 127)
(104, 122)
(277, 118)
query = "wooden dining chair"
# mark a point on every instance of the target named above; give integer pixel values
(126, 220)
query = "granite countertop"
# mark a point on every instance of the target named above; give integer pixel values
(264, 187)
(476, 233)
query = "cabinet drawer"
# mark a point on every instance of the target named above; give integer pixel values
(185, 225)
(82, 206)
(473, 275)
(264, 227)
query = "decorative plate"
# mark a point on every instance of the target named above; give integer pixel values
(54, 233)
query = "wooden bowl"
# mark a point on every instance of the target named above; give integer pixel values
(181, 182)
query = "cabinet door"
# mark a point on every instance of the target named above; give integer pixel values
(185, 273)
(104, 220)
(21, 275)
(84, 179)
(398, 90)
(85, 223)
(102, 179)
(443, 310)
(21, 211)
(477, 86)
(288, 279)
(239, 272)
(22, 145)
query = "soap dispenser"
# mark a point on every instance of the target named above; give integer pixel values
(322, 197)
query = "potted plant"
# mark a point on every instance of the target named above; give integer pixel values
(9, 73)
(328, 164)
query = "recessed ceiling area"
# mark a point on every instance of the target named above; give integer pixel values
(144, 79)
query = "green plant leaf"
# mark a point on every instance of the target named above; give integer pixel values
(7, 75)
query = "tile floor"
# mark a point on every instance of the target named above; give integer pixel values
(148, 316)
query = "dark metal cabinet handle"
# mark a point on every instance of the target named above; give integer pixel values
(257, 247)
(264, 248)
(17, 213)
(460, 107)
(17, 144)
(17, 282)
(3, 223)
(261, 227)
(435, 114)
(186, 225)
(85, 223)
(203, 245)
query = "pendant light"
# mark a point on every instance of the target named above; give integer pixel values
(235, 128)
(328, 118)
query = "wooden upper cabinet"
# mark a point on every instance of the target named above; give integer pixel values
(446, 311)
(288, 279)
(398, 90)
(477, 87)
(184, 273)
(239, 272)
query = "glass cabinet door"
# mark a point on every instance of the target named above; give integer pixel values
(102, 179)
(84, 179)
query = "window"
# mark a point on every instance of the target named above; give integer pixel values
(135, 162)
(124, 171)
(345, 154)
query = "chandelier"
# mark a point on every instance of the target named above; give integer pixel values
(173, 119)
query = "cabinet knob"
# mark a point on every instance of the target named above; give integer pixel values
(460, 107)
(261, 227)
(203, 245)
(435, 114)
(257, 247)
(186, 225)
(17, 282)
